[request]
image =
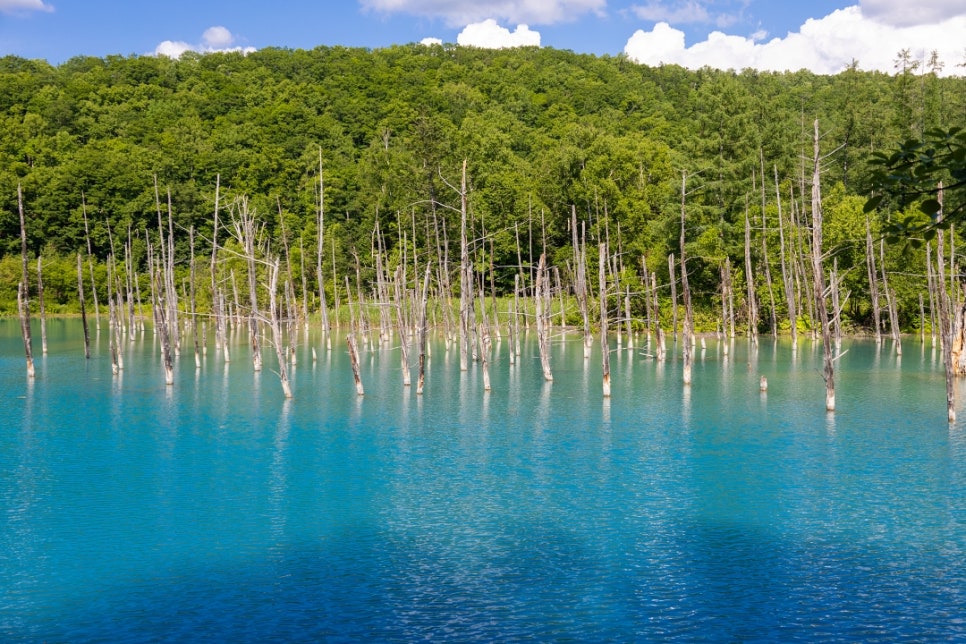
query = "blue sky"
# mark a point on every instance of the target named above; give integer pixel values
(822, 35)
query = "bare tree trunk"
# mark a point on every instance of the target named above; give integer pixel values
(421, 381)
(674, 295)
(627, 317)
(83, 310)
(171, 292)
(724, 268)
(580, 287)
(604, 343)
(541, 296)
(946, 330)
(23, 291)
(483, 337)
(276, 326)
(160, 318)
(217, 299)
(661, 343)
(245, 231)
(194, 307)
(403, 327)
(112, 317)
(750, 279)
(764, 250)
(688, 333)
(890, 301)
(873, 282)
(323, 305)
(354, 361)
(787, 279)
(90, 265)
(466, 280)
(819, 277)
(922, 321)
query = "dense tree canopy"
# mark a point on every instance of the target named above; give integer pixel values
(544, 132)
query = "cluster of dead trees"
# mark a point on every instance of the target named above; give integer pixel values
(407, 301)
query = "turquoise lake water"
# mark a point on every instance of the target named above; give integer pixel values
(215, 510)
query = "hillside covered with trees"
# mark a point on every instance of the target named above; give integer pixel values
(103, 148)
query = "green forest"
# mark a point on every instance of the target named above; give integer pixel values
(371, 144)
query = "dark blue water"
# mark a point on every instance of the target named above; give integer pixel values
(215, 510)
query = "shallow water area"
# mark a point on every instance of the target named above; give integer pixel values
(216, 510)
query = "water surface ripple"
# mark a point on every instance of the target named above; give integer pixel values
(215, 510)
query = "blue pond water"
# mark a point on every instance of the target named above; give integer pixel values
(215, 510)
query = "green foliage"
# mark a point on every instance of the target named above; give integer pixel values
(543, 132)
(929, 173)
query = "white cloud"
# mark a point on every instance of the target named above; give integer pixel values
(214, 39)
(489, 35)
(217, 37)
(430, 41)
(23, 6)
(825, 46)
(463, 12)
(172, 48)
(903, 13)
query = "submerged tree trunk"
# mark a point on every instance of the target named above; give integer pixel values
(750, 280)
(90, 264)
(23, 290)
(819, 277)
(354, 362)
(466, 282)
(945, 314)
(661, 342)
(83, 310)
(788, 281)
(674, 295)
(421, 380)
(688, 333)
(580, 286)
(276, 326)
(323, 305)
(541, 295)
(890, 301)
(403, 326)
(873, 283)
(604, 343)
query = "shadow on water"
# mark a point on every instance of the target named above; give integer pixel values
(728, 584)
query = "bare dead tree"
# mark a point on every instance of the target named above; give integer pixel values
(403, 324)
(752, 303)
(819, 275)
(873, 283)
(23, 290)
(788, 281)
(945, 314)
(323, 305)
(354, 362)
(83, 309)
(421, 380)
(541, 299)
(90, 264)
(604, 343)
(688, 332)
(275, 324)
